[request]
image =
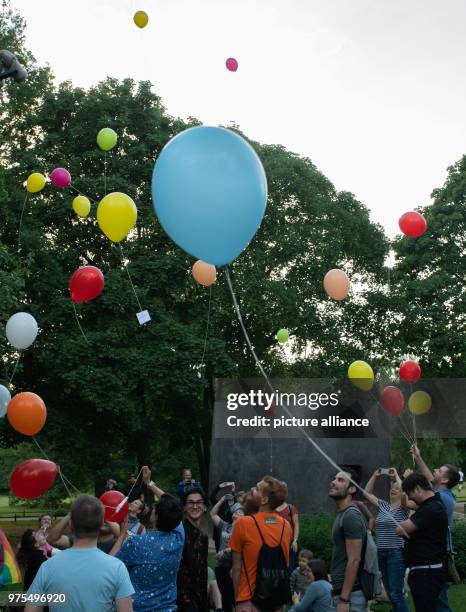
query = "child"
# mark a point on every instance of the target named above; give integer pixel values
(300, 580)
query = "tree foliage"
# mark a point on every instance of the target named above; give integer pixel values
(131, 393)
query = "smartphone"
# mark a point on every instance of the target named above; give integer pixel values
(385, 471)
(229, 497)
(228, 488)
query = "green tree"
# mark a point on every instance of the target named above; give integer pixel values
(131, 393)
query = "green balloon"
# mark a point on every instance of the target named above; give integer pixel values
(107, 139)
(282, 335)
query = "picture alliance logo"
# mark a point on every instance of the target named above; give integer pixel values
(261, 399)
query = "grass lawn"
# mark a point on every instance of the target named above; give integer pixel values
(456, 597)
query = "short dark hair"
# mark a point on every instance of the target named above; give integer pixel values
(276, 490)
(415, 480)
(453, 475)
(192, 490)
(169, 512)
(307, 554)
(87, 516)
(353, 474)
(319, 569)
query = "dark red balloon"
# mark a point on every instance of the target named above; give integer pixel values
(392, 400)
(111, 500)
(412, 224)
(32, 478)
(410, 372)
(86, 284)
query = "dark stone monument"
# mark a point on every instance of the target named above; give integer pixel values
(295, 461)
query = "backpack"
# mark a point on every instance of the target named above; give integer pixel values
(272, 577)
(368, 573)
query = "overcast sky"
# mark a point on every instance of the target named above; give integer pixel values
(373, 91)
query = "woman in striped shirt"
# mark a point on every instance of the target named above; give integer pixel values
(389, 544)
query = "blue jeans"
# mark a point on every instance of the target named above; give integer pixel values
(358, 601)
(392, 566)
(443, 604)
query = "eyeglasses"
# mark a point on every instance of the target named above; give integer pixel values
(192, 504)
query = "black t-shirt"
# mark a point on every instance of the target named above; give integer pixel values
(427, 545)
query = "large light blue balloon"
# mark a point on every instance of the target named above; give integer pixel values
(5, 397)
(209, 190)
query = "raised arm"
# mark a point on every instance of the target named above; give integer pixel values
(372, 499)
(214, 512)
(146, 474)
(114, 528)
(55, 535)
(419, 461)
(123, 534)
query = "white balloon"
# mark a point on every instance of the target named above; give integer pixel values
(5, 397)
(21, 330)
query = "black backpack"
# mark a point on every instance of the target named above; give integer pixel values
(272, 577)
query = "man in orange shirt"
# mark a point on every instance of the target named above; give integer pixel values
(250, 533)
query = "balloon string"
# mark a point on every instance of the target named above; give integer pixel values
(285, 408)
(21, 222)
(131, 490)
(206, 333)
(240, 319)
(14, 368)
(81, 193)
(256, 359)
(406, 426)
(62, 476)
(105, 172)
(414, 416)
(79, 324)
(405, 434)
(129, 277)
(63, 481)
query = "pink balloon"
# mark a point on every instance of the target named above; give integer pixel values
(336, 284)
(60, 178)
(232, 64)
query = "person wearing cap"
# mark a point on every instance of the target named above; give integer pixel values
(224, 560)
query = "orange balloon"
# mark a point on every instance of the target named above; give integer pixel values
(204, 273)
(336, 284)
(27, 413)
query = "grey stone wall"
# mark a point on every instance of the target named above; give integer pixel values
(307, 474)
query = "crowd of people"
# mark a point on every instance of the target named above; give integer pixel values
(157, 558)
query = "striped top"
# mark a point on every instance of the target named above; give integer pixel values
(386, 527)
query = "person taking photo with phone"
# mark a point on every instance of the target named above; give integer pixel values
(390, 546)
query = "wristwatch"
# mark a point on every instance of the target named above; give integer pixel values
(343, 600)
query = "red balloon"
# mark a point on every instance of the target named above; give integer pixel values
(392, 400)
(33, 478)
(410, 372)
(412, 224)
(111, 500)
(86, 284)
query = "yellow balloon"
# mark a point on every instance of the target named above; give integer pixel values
(81, 206)
(35, 182)
(361, 375)
(419, 402)
(116, 215)
(141, 19)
